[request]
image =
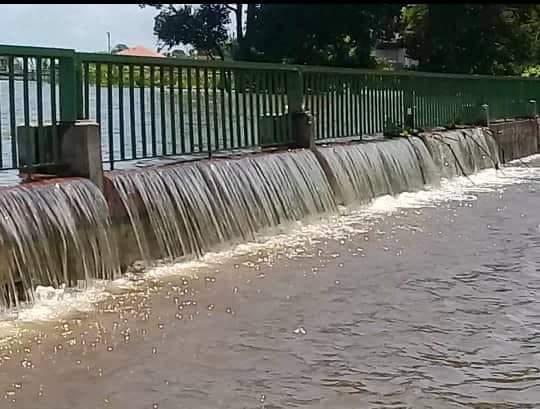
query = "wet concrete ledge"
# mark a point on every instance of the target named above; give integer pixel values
(516, 139)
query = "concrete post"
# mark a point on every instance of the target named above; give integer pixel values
(302, 128)
(301, 124)
(81, 151)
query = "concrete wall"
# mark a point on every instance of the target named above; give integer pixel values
(516, 139)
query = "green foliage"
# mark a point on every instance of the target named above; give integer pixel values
(204, 27)
(456, 38)
(119, 47)
(472, 38)
(321, 34)
(531, 71)
(241, 80)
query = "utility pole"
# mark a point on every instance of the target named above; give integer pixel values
(109, 41)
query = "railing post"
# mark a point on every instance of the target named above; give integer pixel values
(80, 140)
(68, 89)
(408, 102)
(534, 112)
(485, 108)
(300, 123)
(295, 91)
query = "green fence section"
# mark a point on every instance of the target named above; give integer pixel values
(31, 95)
(347, 102)
(153, 107)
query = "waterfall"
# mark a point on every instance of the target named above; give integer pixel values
(192, 208)
(364, 171)
(463, 152)
(61, 232)
(53, 234)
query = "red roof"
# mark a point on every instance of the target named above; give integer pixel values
(140, 51)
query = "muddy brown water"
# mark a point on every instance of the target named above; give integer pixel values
(434, 307)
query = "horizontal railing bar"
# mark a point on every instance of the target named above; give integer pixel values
(30, 51)
(129, 59)
(403, 73)
(24, 51)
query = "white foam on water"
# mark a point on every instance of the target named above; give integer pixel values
(52, 304)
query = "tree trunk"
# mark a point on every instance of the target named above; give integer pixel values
(239, 17)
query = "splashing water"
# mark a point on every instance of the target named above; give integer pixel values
(53, 234)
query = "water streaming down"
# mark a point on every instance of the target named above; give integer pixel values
(53, 234)
(463, 152)
(367, 170)
(189, 209)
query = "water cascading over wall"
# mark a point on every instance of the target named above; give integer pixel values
(361, 172)
(463, 152)
(53, 233)
(364, 171)
(186, 210)
(60, 233)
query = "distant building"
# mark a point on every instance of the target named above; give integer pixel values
(140, 51)
(394, 53)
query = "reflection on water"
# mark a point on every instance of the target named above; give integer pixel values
(427, 307)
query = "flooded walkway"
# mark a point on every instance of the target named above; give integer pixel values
(426, 307)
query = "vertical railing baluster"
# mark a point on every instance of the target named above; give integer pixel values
(162, 110)
(86, 69)
(12, 107)
(132, 126)
(54, 119)
(199, 109)
(181, 109)
(42, 146)
(121, 111)
(245, 81)
(237, 115)
(215, 109)
(230, 141)
(153, 110)
(207, 112)
(172, 109)
(142, 98)
(222, 79)
(110, 119)
(190, 111)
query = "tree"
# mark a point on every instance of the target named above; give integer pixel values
(204, 27)
(472, 38)
(321, 33)
(119, 47)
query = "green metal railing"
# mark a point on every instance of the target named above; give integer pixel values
(153, 107)
(346, 102)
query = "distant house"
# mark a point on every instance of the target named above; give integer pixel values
(394, 53)
(140, 51)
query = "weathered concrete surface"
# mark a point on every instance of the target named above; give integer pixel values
(81, 151)
(516, 139)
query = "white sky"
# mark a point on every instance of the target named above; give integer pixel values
(80, 26)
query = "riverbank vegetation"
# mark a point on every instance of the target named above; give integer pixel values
(497, 39)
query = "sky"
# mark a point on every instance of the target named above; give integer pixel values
(80, 26)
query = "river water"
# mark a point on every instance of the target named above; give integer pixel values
(427, 300)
